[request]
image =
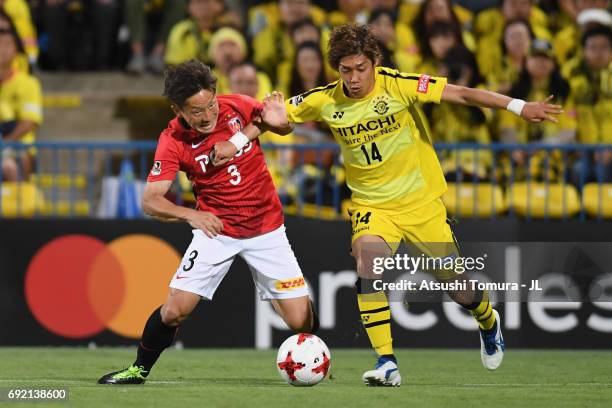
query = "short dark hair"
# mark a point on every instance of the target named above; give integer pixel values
(245, 63)
(596, 31)
(306, 22)
(352, 39)
(185, 80)
(381, 11)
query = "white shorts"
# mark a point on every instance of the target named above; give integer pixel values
(270, 258)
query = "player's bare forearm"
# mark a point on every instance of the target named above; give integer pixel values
(258, 126)
(534, 112)
(155, 204)
(165, 219)
(273, 118)
(223, 151)
(253, 130)
(474, 97)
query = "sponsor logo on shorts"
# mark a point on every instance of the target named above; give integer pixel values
(290, 284)
(423, 83)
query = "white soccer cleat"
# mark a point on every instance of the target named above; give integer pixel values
(386, 374)
(492, 345)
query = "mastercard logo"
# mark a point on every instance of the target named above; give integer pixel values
(77, 286)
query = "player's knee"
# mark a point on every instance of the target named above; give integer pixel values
(367, 258)
(172, 315)
(301, 322)
(365, 267)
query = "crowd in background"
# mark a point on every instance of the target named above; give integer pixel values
(526, 49)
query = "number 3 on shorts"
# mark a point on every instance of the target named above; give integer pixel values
(192, 256)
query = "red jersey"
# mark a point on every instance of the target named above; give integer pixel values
(241, 192)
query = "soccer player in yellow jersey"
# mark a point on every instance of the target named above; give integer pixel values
(393, 173)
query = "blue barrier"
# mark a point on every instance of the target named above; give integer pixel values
(71, 176)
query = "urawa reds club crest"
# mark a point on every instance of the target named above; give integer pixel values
(235, 125)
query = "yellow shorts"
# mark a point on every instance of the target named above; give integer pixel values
(425, 228)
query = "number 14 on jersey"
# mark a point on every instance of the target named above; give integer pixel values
(374, 153)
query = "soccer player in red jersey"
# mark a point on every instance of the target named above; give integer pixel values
(238, 213)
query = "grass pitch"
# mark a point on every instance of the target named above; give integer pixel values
(248, 378)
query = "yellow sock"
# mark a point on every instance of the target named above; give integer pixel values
(376, 319)
(483, 313)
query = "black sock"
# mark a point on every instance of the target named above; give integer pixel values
(156, 336)
(391, 357)
(315, 318)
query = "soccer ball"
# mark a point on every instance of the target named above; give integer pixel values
(303, 360)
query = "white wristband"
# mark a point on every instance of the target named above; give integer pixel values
(239, 140)
(516, 106)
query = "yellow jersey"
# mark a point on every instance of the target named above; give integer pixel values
(390, 160)
(19, 12)
(187, 42)
(592, 93)
(20, 99)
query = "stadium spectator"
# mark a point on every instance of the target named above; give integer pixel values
(489, 24)
(307, 72)
(457, 123)
(81, 35)
(348, 11)
(21, 113)
(274, 43)
(589, 12)
(227, 48)
(244, 78)
(283, 12)
(591, 85)
(190, 38)
(305, 30)
(441, 37)
(431, 12)
(384, 27)
(540, 78)
(501, 62)
(21, 60)
(135, 13)
(300, 32)
(19, 12)
(409, 10)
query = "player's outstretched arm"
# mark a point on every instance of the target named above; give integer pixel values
(273, 118)
(156, 205)
(534, 112)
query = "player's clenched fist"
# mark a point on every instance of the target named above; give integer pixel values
(222, 152)
(208, 222)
